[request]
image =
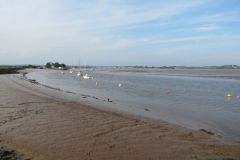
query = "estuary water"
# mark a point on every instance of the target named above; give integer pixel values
(190, 101)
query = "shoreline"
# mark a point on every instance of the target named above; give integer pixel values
(210, 131)
(213, 124)
(47, 126)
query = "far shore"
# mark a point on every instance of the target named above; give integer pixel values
(12, 70)
(42, 125)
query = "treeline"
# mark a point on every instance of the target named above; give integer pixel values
(11, 70)
(55, 65)
(14, 69)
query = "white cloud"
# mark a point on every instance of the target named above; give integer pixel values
(43, 23)
(223, 16)
(50, 28)
(180, 39)
(206, 28)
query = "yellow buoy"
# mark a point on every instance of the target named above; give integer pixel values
(229, 95)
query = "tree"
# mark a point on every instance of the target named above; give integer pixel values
(63, 65)
(48, 65)
(56, 65)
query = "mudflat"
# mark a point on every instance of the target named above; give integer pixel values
(42, 125)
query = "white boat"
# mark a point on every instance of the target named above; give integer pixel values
(79, 74)
(86, 76)
(70, 71)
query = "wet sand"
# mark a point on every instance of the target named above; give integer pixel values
(42, 124)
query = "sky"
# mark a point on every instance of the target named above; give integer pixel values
(120, 32)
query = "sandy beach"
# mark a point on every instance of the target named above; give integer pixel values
(43, 125)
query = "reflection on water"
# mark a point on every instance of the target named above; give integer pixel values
(229, 97)
(189, 101)
(238, 97)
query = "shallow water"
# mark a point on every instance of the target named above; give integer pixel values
(194, 102)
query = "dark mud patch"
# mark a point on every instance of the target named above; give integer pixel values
(109, 100)
(8, 154)
(25, 103)
(206, 131)
(33, 81)
(70, 92)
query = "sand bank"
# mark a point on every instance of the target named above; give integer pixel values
(43, 125)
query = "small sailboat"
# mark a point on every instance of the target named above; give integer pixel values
(79, 74)
(70, 71)
(86, 76)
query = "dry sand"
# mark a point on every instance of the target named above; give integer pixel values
(44, 126)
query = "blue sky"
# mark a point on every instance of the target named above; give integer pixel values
(120, 32)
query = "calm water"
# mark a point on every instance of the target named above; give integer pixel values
(192, 102)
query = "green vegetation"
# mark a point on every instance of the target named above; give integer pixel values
(55, 65)
(10, 70)
(9, 154)
(48, 65)
(7, 69)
